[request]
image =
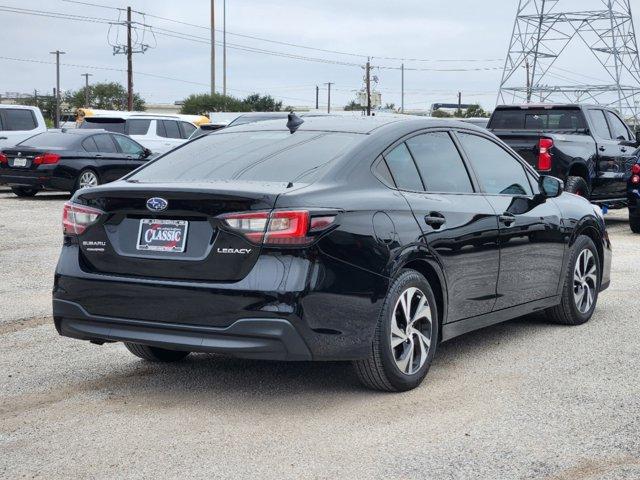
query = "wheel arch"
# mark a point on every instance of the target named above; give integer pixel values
(579, 168)
(588, 227)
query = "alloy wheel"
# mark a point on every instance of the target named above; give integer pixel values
(88, 179)
(411, 331)
(585, 280)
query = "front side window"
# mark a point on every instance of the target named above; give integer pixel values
(600, 127)
(403, 169)
(187, 129)
(497, 170)
(439, 163)
(618, 129)
(16, 119)
(128, 146)
(266, 156)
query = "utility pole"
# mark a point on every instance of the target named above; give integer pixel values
(368, 81)
(56, 120)
(329, 96)
(317, 96)
(213, 48)
(460, 103)
(224, 47)
(402, 88)
(86, 88)
(129, 63)
(35, 97)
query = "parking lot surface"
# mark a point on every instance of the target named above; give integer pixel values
(525, 399)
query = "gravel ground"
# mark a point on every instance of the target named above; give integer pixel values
(523, 399)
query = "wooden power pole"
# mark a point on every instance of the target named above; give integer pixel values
(368, 82)
(129, 63)
(56, 120)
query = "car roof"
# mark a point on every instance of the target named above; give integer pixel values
(355, 124)
(21, 107)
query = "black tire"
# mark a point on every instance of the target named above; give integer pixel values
(155, 354)
(25, 192)
(567, 312)
(634, 224)
(577, 185)
(379, 371)
(77, 185)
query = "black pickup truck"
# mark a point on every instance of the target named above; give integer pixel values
(589, 147)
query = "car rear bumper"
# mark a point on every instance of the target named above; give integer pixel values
(34, 179)
(263, 338)
(299, 302)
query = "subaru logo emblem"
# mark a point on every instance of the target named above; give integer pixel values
(157, 204)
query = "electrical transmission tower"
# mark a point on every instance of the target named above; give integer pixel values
(544, 40)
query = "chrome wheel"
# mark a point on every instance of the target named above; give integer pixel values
(88, 179)
(585, 281)
(411, 331)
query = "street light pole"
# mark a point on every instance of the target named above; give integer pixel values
(213, 48)
(56, 121)
(86, 88)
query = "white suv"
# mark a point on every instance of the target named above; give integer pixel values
(157, 133)
(18, 122)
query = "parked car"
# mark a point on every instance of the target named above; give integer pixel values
(633, 194)
(68, 160)
(159, 133)
(362, 239)
(19, 122)
(589, 147)
(206, 129)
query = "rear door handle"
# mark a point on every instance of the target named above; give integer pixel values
(434, 219)
(602, 149)
(507, 219)
(623, 149)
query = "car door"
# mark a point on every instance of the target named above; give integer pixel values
(16, 125)
(532, 244)
(459, 226)
(626, 158)
(111, 163)
(605, 182)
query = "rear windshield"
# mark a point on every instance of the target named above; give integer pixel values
(50, 140)
(116, 125)
(268, 156)
(538, 119)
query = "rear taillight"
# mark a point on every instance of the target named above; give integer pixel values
(281, 227)
(46, 159)
(544, 156)
(3, 158)
(635, 169)
(76, 218)
(635, 179)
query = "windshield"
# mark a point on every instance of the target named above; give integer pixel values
(49, 140)
(559, 118)
(270, 156)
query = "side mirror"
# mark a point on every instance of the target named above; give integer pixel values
(146, 153)
(550, 187)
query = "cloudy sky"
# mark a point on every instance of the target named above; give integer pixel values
(451, 34)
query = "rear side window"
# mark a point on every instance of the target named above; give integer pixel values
(270, 156)
(618, 129)
(138, 126)
(14, 119)
(600, 127)
(89, 145)
(439, 163)
(104, 143)
(403, 169)
(168, 129)
(497, 170)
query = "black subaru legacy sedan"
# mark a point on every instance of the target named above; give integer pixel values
(364, 240)
(68, 160)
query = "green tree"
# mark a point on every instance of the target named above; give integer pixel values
(259, 103)
(202, 104)
(441, 114)
(475, 111)
(104, 96)
(390, 106)
(352, 105)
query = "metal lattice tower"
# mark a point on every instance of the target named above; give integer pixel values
(543, 32)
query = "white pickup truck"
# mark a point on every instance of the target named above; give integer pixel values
(19, 122)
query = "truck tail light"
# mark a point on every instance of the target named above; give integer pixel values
(3, 158)
(76, 218)
(635, 169)
(281, 227)
(46, 159)
(544, 156)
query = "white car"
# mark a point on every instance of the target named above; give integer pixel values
(19, 122)
(158, 133)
